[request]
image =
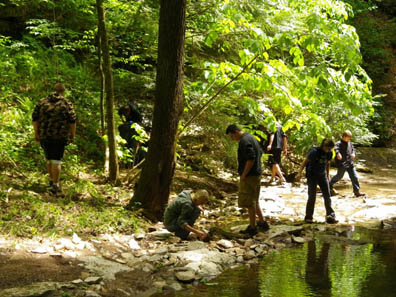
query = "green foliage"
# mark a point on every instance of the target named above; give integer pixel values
(298, 61)
(375, 30)
(26, 210)
(305, 74)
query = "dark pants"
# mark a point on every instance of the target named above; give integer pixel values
(323, 183)
(352, 175)
(179, 232)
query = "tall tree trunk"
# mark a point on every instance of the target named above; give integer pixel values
(153, 188)
(102, 88)
(102, 107)
(113, 163)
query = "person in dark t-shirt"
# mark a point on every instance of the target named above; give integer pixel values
(277, 144)
(131, 116)
(317, 165)
(249, 170)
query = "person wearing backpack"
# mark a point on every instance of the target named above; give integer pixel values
(317, 166)
(130, 114)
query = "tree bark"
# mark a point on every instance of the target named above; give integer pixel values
(153, 188)
(109, 89)
(102, 87)
(102, 108)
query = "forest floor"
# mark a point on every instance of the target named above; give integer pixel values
(142, 259)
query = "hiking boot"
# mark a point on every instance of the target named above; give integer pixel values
(263, 226)
(333, 192)
(249, 231)
(56, 190)
(331, 219)
(359, 194)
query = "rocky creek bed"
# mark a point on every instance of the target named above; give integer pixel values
(145, 263)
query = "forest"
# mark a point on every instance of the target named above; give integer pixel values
(191, 68)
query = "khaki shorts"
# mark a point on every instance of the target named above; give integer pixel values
(249, 191)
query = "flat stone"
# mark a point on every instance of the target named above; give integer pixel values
(77, 281)
(91, 294)
(93, 280)
(298, 239)
(161, 250)
(139, 236)
(194, 266)
(174, 239)
(128, 256)
(66, 243)
(175, 286)
(105, 268)
(40, 250)
(76, 239)
(148, 267)
(161, 235)
(282, 230)
(133, 244)
(185, 276)
(195, 245)
(159, 284)
(249, 242)
(249, 255)
(225, 244)
(239, 252)
(209, 269)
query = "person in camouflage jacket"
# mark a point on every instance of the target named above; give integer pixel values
(54, 122)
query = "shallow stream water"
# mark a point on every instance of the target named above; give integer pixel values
(353, 262)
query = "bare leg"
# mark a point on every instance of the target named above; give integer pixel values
(49, 168)
(56, 170)
(252, 217)
(259, 213)
(278, 172)
(273, 173)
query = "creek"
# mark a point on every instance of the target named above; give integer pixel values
(356, 261)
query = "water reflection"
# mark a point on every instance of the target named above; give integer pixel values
(317, 269)
(320, 268)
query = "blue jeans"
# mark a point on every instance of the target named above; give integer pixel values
(352, 175)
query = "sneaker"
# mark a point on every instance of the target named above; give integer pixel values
(333, 192)
(263, 226)
(359, 194)
(56, 190)
(281, 182)
(331, 220)
(249, 230)
(308, 221)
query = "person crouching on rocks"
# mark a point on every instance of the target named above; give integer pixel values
(317, 166)
(181, 214)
